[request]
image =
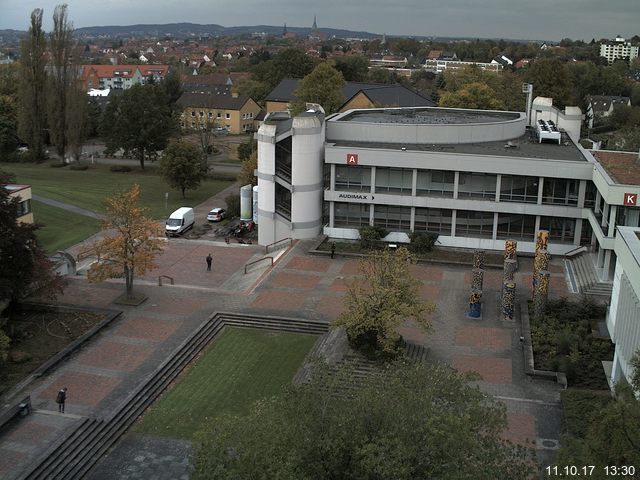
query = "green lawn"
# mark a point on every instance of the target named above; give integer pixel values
(59, 228)
(240, 367)
(89, 188)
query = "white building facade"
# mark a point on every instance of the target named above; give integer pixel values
(618, 49)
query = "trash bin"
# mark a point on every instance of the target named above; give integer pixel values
(24, 409)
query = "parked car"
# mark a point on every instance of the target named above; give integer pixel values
(217, 214)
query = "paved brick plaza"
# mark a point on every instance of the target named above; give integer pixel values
(103, 372)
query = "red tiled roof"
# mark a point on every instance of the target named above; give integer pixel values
(622, 167)
(124, 71)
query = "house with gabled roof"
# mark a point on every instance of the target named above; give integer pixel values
(119, 77)
(601, 106)
(356, 94)
(220, 108)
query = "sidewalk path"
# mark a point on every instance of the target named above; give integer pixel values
(68, 207)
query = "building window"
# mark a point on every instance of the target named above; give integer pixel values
(519, 189)
(394, 180)
(24, 207)
(350, 215)
(227, 116)
(219, 115)
(474, 224)
(395, 219)
(560, 229)
(353, 178)
(590, 195)
(435, 220)
(250, 114)
(560, 191)
(437, 183)
(477, 185)
(193, 113)
(283, 202)
(520, 227)
(210, 114)
(201, 113)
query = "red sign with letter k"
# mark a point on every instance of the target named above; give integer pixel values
(352, 159)
(630, 199)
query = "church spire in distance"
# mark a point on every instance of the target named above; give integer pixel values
(315, 25)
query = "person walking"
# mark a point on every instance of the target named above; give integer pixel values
(333, 249)
(61, 398)
(209, 260)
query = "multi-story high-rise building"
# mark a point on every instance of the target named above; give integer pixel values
(619, 48)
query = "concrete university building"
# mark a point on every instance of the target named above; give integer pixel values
(476, 178)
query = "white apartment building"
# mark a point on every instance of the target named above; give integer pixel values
(618, 49)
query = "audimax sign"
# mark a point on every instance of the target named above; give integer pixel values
(356, 196)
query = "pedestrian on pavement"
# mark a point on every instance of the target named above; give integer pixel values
(61, 398)
(333, 249)
(209, 260)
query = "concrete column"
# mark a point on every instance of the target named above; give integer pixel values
(453, 222)
(596, 207)
(332, 214)
(456, 183)
(607, 264)
(414, 183)
(494, 231)
(371, 213)
(577, 232)
(498, 186)
(537, 225)
(373, 180)
(540, 189)
(612, 220)
(332, 180)
(582, 193)
(605, 215)
(412, 220)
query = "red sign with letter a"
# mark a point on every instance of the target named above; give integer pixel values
(352, 159)
(631, 199)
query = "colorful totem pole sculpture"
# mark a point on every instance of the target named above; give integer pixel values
(541, 275)
(508, 284)
(508, 300)
(477, 279)
(542, 293)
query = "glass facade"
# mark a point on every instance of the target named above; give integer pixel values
(437, 183)
(436, 220)
(520, 227)
(474, 224)
(283, 201)
(560, 191)
(394, 180)
(515, 188)
(477, 185)
(353, 179)
(561, 230)
(392, 218)
(350, 215)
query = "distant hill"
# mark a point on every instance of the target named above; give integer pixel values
(184, 30)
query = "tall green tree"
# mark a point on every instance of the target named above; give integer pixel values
(322, 86)
(62, 78)
(354, 68)
(8, 109)
(32, 95)
(379, 303)
(78, 124)
(550, 78)
(472, 95)
(138, 121)
(249, 165)
(406, 422)
(183, 165)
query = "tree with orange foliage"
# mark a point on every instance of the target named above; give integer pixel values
(130, 244)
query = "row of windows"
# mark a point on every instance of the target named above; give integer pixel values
(513, 188)
(24, 208)
(210, 114)
(440, 220)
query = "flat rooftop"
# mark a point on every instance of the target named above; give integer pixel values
(622, 167)
(428, 116)
(526, 146)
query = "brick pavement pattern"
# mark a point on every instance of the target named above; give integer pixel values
(299, 284)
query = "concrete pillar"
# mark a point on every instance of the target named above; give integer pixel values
(612, 220)
(541, 293)
(332, 214)
(577, 232)
(475, 308)
(508, 300)
(540, 189)
(456, 184)
(582, 193)
(478, 259)
(498, 187)
(414, 183)
(453, 222)
(477, 277)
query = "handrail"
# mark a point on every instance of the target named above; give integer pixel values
(88, 252)
(289, 239)
(165, 276)
(578, 249)
(257, 261)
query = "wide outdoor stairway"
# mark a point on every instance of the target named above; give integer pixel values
(74, 455)
(586, 278)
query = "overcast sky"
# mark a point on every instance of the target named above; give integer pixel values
(522, 19)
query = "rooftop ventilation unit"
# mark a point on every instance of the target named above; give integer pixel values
(547, 130)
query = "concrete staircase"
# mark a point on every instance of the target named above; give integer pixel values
(74, 455)
(586, 278)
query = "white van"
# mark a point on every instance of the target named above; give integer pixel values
(180, 221)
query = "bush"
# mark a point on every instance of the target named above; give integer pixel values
(233, 205)
(58, 165)
(120, 168)
(423, 242)
(371, 237)
(78, 167)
